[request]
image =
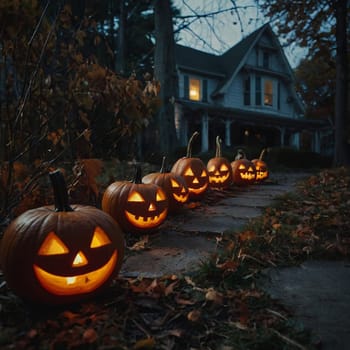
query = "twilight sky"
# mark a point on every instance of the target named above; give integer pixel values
(218, 34)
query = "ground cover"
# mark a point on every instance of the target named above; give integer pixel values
(219, 306)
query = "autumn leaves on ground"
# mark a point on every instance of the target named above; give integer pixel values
(217, 307)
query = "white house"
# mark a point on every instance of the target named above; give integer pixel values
(245, 95)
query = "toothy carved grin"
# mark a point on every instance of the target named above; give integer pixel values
(146, 221)
(247, 176)
(218, 178)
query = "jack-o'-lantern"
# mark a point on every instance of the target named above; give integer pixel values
(61, 254)
(138, 207)
(193, 170)
(243, 170)
(262, 171)
(219, 169)
(173, 185)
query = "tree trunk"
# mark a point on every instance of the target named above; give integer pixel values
(342, 123)
(121, 47)
(165, 73)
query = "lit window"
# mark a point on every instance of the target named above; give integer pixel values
(195, 89)
(268, 93)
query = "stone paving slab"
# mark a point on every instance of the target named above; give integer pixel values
(318, 293)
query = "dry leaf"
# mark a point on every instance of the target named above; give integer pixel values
(148, 343)
(194, 316)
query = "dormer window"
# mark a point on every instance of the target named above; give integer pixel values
(266, 59)
(195, 89)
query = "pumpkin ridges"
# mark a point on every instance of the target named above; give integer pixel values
(25, 235)
(164, 179)
(217, 162)
(115, 202)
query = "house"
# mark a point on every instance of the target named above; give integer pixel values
(246, 95)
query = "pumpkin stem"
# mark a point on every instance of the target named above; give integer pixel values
(163, 167)
(189, 145)
(218, 147)
(264, 150)
(59, 191)
(240, 155)
(138, 175)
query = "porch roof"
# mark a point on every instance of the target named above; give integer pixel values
(256, 118)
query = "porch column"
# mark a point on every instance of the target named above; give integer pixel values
(181, 125)
(295, 140)
(316, 142)
(228, 132)
(283, 133)
(205, 132)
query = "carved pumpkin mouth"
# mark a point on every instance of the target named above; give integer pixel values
(79, 284)
(146, 221)
(247, 176)
(194, 189)
(182, 198)
(218, 178)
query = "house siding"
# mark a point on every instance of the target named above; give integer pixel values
(258, 57)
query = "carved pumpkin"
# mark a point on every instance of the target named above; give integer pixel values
(173, 185)
(219, 169)
(137, 207)
(61, 254)
(262, 171)
(193, 170)
(243, 170)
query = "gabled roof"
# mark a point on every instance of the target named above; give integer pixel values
(228, 64)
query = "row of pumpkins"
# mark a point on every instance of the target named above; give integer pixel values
(60, 254)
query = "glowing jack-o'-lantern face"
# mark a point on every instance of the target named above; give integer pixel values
(61, 254)
(62, 270)
(243, 172)
(220, 172)
(219, 169)
(173, 185)
(262, 172)
(180, 191)
(145, 211)
(193, 170)
(196, 177)
(138, 207)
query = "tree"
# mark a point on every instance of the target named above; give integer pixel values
(58, 102)
(314, 25)
(165, 73)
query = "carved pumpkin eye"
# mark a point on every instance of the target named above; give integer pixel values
(204, 174)
(211, 168)
(135, 197)
(99, 238)
(160, 196)
(223, 167)
(250, 169)
(52, 245)
(189, 172)
(174, 183)
(241, 167)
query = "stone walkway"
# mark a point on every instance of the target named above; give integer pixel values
(317, 292)
(185, 239)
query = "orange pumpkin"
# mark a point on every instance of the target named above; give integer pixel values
(219, 169)
(173, 185)
(136, 206)
(262, 171)
(243, 170)
(61, 254)
(193, 170)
